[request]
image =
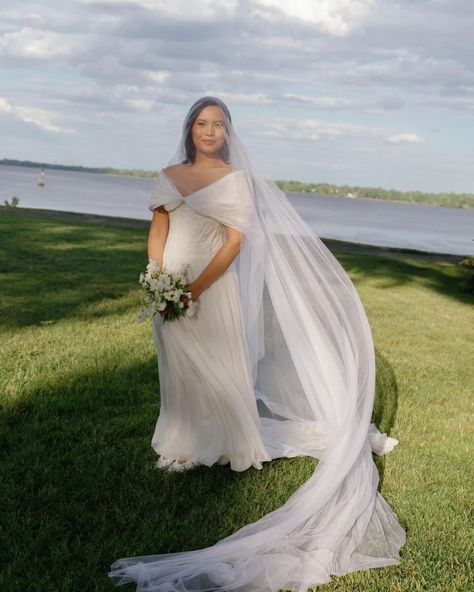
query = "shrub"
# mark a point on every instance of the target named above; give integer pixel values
(15, 201)
(468, 284)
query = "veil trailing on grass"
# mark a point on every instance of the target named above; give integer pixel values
(313, 366)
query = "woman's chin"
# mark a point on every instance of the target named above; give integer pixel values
(210, 150)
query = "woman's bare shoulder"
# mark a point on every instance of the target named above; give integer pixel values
(173, 168)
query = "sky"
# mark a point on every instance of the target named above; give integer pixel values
(361, 92)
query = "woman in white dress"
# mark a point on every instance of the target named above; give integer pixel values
(278, 362)
(208, 408)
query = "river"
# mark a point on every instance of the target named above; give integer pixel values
(366, 221)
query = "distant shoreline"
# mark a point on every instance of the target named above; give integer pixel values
(332, 244)
(442, 199)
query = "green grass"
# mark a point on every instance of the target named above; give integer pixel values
(80, 395)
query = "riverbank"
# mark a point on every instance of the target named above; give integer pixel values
(333, 245)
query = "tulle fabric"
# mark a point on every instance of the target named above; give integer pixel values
(312, 362)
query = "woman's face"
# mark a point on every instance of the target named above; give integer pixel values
(209, 130)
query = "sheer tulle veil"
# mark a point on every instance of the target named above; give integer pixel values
(313, 366)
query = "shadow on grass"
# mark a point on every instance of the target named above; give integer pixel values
(80, 489)
(51, 269)
(445, 278)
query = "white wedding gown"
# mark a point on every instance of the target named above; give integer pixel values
(307, 392)
(208, 409)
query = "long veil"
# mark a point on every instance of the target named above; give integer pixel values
(313, 366)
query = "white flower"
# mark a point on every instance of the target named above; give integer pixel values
(192, 309)
(152, 265)
(162, 286)
(177, 277)
(157, 286)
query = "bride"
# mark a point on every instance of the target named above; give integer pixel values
(277, 361)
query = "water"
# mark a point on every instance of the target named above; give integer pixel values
(371, 222)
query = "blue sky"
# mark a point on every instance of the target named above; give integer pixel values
(358, 92)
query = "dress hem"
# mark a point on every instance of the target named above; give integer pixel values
(221, 459)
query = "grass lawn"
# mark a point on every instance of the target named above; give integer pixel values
(80, 398)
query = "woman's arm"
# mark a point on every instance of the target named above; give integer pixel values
(158, 234)
(218, 264)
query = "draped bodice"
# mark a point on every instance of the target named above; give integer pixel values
(197, 222)
(226, 201)
(192, 237)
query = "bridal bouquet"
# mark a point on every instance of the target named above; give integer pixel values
(165, 293)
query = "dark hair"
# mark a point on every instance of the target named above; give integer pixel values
(191, 117)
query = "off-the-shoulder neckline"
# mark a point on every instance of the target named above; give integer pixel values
(162, 172)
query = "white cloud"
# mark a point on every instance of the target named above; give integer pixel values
(36, 44)
(351, 76)
(159, 76)
(141, 105)
(313, 129)
(319, 102)
(243, 99)
(335, 17)
(5, 106)
(37, 117)
(202, 10)
(404, 138)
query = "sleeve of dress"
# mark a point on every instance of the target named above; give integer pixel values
(163, 194)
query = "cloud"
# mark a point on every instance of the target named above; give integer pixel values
(404, 139)
(334, 17)
(204, 10)
(358, 75)
(5, 106)
(36, 44)
(36, 117)
(312, 129)
(319, 102)
(141, 105)
(185, 48)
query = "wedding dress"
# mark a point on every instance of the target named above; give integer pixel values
(208, 410)
(278, 362)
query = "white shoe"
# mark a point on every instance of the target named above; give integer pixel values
(164, 463)
(189, 464)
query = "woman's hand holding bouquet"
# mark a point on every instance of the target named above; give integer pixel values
(166, 292)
